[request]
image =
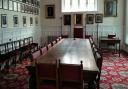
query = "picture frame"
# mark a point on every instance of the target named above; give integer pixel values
(3, 20)
(24, 21)
(11, 5)
(67, 19)
(78, 19)
(90, 18)
(50, 11)
(1, 4)
(19, 7)
(15, 6)
(36, 21)
(22, 7)
(5, 4)
(110, 8)
(98, 18)
(31, 21)
(15, 20)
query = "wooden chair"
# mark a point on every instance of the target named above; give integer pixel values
(71, 76)
(49, 46)
(44, 50)
(53, 43)
(57, 40)
(47, 76)
(99, 61)
(88, 36)
(36, 54)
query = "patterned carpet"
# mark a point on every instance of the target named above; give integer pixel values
(114, 74)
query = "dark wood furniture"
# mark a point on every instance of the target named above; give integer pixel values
(78, 32)
(106, 40)
(70, 76)
(72, 51)
(47, 75)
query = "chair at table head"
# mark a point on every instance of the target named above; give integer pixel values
(47, 76)
(71, 76)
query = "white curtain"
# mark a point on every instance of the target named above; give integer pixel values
(78, 5)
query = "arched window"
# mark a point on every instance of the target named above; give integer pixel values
(78, 5)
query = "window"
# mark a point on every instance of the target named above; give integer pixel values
(78, 5)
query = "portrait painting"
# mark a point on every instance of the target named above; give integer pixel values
(36, 20)
(67, 19)
(15, 20)
(31, 21)
(3, 20)
(1, 4)
(110, 8)
(78, 19)
(5, 4)
(90, 18)
(98, 18)
(24, 21)
(10, 5)
(50, 11)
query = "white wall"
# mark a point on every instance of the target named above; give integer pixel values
(125, 46)
(19, 32)
(110, 25)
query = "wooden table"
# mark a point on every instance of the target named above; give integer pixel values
(72, 51)
(105, 40)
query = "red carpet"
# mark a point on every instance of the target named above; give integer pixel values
(114, 74)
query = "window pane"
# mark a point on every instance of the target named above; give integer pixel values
(78, 5)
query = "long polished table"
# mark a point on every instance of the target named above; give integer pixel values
(72, 51)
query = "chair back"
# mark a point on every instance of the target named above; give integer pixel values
(43, 50)
(36, 54)
(72, 74)
(47, 74)
(53, 43)
(49, 46)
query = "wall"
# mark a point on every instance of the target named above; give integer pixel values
(125, 46)
(110, 25)
(11, 33)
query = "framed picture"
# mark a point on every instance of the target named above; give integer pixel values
(25, 8)
(5, 4)
(15, 20)
(36, 20)
(10, 5)
(15, 6)
(78, 19)
(98, 18)
(50, 11)
(24, 21)
(3, 20)
(67, 19)
(90, 18)
(1, 4)
(19, 7)
(22, 7)
(31, 21)
(110, 8)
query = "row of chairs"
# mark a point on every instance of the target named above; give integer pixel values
(43, 50)
(34, 56)
(98, 58)
(12, 52)
(59, 76)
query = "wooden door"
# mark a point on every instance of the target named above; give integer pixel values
(78, 32)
